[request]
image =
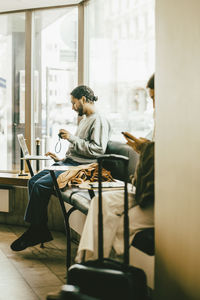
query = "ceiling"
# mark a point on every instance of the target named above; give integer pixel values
(10, 5)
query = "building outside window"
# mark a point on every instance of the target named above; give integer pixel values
(120, 59)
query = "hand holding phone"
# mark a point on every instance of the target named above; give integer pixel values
(130, 136)
(64, 134)
(60, 135)
(135, 143)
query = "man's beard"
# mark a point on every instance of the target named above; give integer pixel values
(80, 111)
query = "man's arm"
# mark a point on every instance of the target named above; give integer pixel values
(98, 139)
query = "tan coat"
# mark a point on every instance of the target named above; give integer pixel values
(82, 173)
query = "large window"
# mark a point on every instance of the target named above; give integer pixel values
(12, 87)
(55, 74)
(116, 59)
(119, 59)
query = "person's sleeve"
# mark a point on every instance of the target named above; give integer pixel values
(96, 145)
(144, 176)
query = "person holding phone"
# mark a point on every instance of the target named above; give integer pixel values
(89, 142)
(136, 143)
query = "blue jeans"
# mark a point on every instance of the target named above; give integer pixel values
(40, 188)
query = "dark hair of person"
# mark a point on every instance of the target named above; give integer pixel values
(150, 83)
(83, 90)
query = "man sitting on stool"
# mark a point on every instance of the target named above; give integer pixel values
(90, 141)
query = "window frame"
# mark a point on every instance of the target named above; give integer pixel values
(29, 36)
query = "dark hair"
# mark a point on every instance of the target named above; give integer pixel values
(83, 90)
(150, 83)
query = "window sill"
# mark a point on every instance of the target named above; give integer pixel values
(13, 179)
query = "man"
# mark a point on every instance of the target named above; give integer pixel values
(89, 142)
(136, 143)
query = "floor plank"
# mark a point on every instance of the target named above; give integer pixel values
(34, 272)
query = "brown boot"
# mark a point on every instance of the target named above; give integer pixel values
(34, 235)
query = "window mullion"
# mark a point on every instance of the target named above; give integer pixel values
(80, 43)
(28, 80)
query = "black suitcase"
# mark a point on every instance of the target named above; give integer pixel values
(104, 278)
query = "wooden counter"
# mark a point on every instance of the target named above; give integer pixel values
(13, 179)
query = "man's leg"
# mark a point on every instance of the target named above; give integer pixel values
(36, 213)
(40, 193)
(40, 190)
(32, 180)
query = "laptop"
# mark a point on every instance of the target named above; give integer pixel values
(25, 151)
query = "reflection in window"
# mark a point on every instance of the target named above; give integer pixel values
(120, 59)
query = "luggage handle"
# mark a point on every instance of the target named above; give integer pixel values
(125, 160)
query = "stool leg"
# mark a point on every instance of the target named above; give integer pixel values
(66, 219)
(68, 237)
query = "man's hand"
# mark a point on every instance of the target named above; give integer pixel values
(64, 134)
(53, 156)
(135, 143)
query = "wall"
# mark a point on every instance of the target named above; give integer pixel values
(177, 210)
(18, 199)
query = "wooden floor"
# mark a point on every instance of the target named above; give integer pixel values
(34, 272)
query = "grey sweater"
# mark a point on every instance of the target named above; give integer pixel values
(90, 140)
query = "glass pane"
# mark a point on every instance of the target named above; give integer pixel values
(12, 87)
(55, 74)
(120, 55)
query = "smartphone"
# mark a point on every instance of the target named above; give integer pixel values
(125, 134)
(60, 135)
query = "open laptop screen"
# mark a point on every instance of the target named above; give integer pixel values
(23, 145)
(25, 151)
